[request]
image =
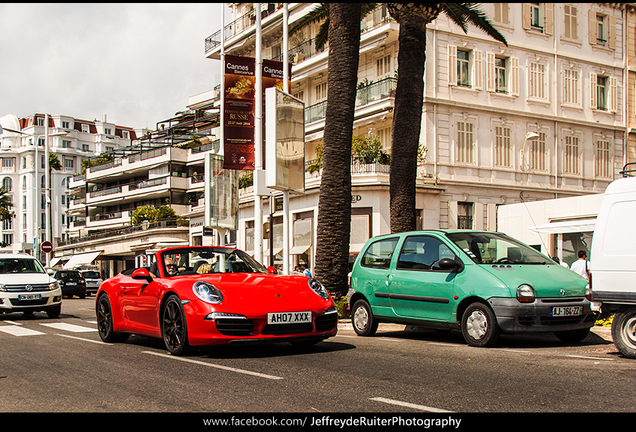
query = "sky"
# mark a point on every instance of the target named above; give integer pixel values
(136, 63)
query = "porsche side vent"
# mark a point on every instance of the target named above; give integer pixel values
(234, 327)
(326, 322)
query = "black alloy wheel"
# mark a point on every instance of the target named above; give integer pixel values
(105, 329)
(174, 327)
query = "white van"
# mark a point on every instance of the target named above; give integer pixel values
(613, 261)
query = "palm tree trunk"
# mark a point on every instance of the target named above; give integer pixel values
(407, 120)
(334, 206)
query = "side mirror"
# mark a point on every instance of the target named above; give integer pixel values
(51, 272)
(272, 270)
(450, 264)
(142, 274)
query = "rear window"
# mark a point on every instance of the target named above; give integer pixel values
(379, 253)
(90, 274)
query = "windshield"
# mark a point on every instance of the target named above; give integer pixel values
(204, 260)
(496, 248)
(20, 265)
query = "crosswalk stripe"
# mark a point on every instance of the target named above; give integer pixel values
(69, 327)
(19, 331)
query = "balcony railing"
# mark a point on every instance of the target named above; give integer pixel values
(364, 95)
(108, 234)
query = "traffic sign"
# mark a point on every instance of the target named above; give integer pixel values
(47, 246)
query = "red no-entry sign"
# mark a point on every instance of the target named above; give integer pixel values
(47, 246)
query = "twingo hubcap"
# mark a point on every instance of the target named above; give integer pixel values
(477, 325)
(361, 318)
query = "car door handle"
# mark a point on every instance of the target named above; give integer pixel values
(388, 279)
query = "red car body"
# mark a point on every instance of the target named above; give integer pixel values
(204, 305)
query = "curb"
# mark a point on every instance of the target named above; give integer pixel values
(345, 324)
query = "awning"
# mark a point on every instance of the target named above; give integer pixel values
(78, 260)
(583, 225)
(299, 250)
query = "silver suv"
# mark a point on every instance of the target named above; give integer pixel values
(25, 286)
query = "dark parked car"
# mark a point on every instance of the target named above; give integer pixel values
(72, 283)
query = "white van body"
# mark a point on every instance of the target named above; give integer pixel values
(613, 261)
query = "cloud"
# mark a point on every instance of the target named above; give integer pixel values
(137, 63)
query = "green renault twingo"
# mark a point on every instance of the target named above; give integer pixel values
(484, 283)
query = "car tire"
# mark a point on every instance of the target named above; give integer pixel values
(105, 328)
(174, 327)
(54, 312)
(624, 331)
(364, 323)
(572, 336)
(479, 326)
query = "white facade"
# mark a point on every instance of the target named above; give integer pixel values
(23, 171)
(542, 118)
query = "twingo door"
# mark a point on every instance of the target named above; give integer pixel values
(418, 287)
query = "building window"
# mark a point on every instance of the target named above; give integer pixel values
(603, 162)
(501, 13)
(601, 37)
(465, 144)
(7, 239)
(538, 81)
(602, 30)
(538, 154)
(535, 16)
(66, 144)
(107, 131)
(500, 75)
(40, 121)
(321, 92)
(68, 164)
(503, 151)
(125, 134)
(383, 66)
(603, 92)
(463, 68)
(85, 128)
(571, 155)
(570, 30)
(65, 125)
(464, 215)
(7, 184)
(86, 147)
(571, 87)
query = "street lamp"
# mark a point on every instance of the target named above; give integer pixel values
(529, 136)
(47, 197)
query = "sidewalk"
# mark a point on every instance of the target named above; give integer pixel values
(345, 324)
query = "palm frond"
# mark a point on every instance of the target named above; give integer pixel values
(316, 14)
(470, 13)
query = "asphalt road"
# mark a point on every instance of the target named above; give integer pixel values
(61, 366)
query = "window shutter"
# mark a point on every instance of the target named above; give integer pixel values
(613, 93)
(478, 70)
(611, 31)
(452, 65)
(549, 25)
(514, 76)
(593, 84)
(526, 16)
(592, 27)
(490, 71)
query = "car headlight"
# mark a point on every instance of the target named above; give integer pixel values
(207, 292)
(318, 288)
(53, 286)
(525, 294)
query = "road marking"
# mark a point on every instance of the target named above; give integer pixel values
(375, 338)
(12, 322)
(589, 358)
(410, 405)
(69, 327)
(19, 331)
(83, 339)
(227, 368)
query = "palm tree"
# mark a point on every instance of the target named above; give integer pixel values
(334, 204)
(409, 95)
(5, 206)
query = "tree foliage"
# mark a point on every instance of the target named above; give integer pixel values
(151, 214)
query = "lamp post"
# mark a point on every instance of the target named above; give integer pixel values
(529, 136)
(36, 138)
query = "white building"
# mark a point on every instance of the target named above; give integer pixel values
(542, 118)
(23, 170)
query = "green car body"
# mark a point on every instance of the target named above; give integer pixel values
(483, 283)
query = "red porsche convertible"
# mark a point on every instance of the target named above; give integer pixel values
(205, 295)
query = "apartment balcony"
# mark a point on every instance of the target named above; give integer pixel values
(105, 220)
(137, 162)
(370, 99)
(146, 189)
